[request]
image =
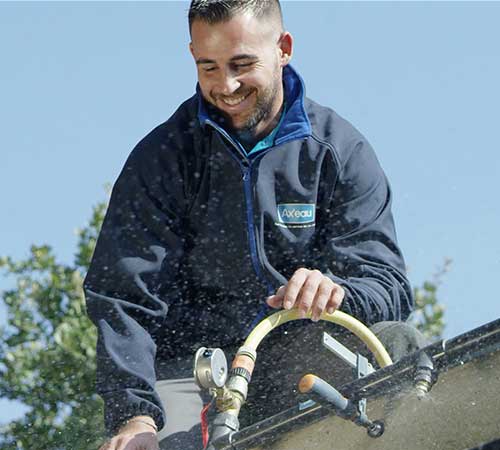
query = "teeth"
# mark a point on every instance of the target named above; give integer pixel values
(234, 101)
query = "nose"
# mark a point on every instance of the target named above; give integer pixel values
(228, 82)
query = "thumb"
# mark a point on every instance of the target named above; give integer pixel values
(276, 300)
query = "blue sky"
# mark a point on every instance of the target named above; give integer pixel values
(81, 83)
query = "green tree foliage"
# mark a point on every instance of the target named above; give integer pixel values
(428, 316)
(47, 351)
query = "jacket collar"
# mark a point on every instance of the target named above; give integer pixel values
(295, 125)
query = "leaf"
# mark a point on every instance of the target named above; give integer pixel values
(429, 313)
(47, 357)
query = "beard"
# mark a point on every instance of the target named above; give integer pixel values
(246, 133)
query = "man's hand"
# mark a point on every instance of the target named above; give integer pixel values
(308, 290)
(135, 435)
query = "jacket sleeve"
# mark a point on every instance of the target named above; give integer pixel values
(139, 240)
(359, 238)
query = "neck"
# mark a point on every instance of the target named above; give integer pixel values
(249, 139)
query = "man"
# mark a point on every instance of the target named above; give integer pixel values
(250, 191)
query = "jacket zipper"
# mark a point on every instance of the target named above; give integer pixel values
(246, 170)
(247, 185)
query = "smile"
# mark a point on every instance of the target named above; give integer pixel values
(234, 101)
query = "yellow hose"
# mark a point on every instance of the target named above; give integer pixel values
(338, 317)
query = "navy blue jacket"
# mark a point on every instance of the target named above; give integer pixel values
(197, 234)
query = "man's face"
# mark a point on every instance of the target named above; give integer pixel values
(239, 66)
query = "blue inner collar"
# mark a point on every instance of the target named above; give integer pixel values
(294, 123)
(269, 140)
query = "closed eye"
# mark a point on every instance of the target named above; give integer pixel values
(243, 65)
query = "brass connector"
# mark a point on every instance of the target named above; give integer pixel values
(227, 400)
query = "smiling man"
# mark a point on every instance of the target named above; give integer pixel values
(250, 197)
(240, 66)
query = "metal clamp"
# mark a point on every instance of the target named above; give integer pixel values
(358, 362)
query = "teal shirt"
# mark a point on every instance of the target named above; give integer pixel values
(268, 141)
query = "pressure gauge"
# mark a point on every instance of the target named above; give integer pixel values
(210, 368)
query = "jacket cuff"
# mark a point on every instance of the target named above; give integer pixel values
(123, 405)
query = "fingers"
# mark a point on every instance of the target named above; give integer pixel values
(336, 299)
(323, 298)
(109, 445)
(129, 441)
(305, 296)
(294, 287)
(308, 290)
(276, 300)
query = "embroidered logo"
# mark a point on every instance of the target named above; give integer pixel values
(296, 215)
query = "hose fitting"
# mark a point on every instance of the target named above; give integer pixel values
(425, 375)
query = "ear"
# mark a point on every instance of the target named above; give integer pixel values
(191, 48)
(286, 48)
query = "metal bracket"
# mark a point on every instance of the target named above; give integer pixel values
(307, 404)
(358, 362)
(361, 368)
(362, 406)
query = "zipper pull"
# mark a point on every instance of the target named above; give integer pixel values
(246, 174)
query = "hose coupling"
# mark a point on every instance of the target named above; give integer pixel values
(425, 375)
(224, 426)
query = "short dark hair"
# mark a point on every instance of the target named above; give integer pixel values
(216, 11)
